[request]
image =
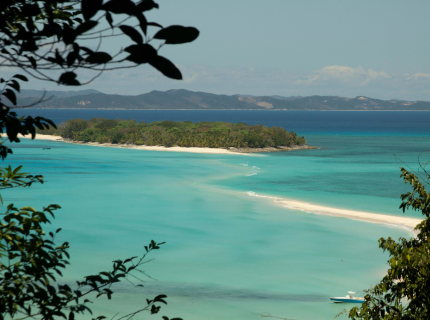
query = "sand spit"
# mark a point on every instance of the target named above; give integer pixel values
(398, 221)
(240, 151)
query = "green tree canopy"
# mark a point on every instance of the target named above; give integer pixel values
(171, 133)
(404, 292)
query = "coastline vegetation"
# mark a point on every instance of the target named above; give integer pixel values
(47, 39)
(172, 133)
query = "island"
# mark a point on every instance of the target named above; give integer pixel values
(235, 137)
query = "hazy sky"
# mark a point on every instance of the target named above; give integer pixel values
(379, 49)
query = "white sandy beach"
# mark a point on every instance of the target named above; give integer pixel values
(38, 137)
(150, 148)
(172, 149)
(405, 222)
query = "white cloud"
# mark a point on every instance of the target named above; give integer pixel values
(347, 75)
(418, 75)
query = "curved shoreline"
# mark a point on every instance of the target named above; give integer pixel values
(205, 150)
(404, 222)
(398, 221)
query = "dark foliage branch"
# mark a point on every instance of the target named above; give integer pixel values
(10, 123)
(47, 40)
(404, 293)
(52, 35)
(12, 178)
(31, 262)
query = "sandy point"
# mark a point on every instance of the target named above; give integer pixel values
(398, 221)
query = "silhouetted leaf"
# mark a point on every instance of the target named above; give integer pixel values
(55, 60)
(90, 8)
(143, 23)
(14, 84)
(30, 10)
(154, 309)
(177, 34)
(154, 24)
(86, 26)
(69, 35)
(58, 58)
(168, 69)
(71, 57)
(32, 61)
(99, 58)
(10, 95)
(132, 33)
(160, 298)
(120, 6)
(20, 77)
(29, 45)
(146, 5)
(109, 19)
(140, 53)
(69, 78)
(87, 50)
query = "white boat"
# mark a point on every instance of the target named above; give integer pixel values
(348, 298)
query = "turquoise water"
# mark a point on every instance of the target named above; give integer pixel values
(227, 254)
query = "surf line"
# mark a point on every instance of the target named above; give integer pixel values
(405, 222)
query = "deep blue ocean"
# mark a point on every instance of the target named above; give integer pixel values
(302, 122)
(229, 255)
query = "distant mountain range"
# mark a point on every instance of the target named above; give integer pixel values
(189, 100)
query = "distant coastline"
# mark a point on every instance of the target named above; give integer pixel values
(180, 99)
(129, 109)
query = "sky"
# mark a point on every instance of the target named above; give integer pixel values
(379, 49)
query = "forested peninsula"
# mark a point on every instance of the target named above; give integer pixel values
(234, 136)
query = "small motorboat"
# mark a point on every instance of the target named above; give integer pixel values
(349, 298)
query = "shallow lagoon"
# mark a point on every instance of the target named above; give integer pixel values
(227, 254)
